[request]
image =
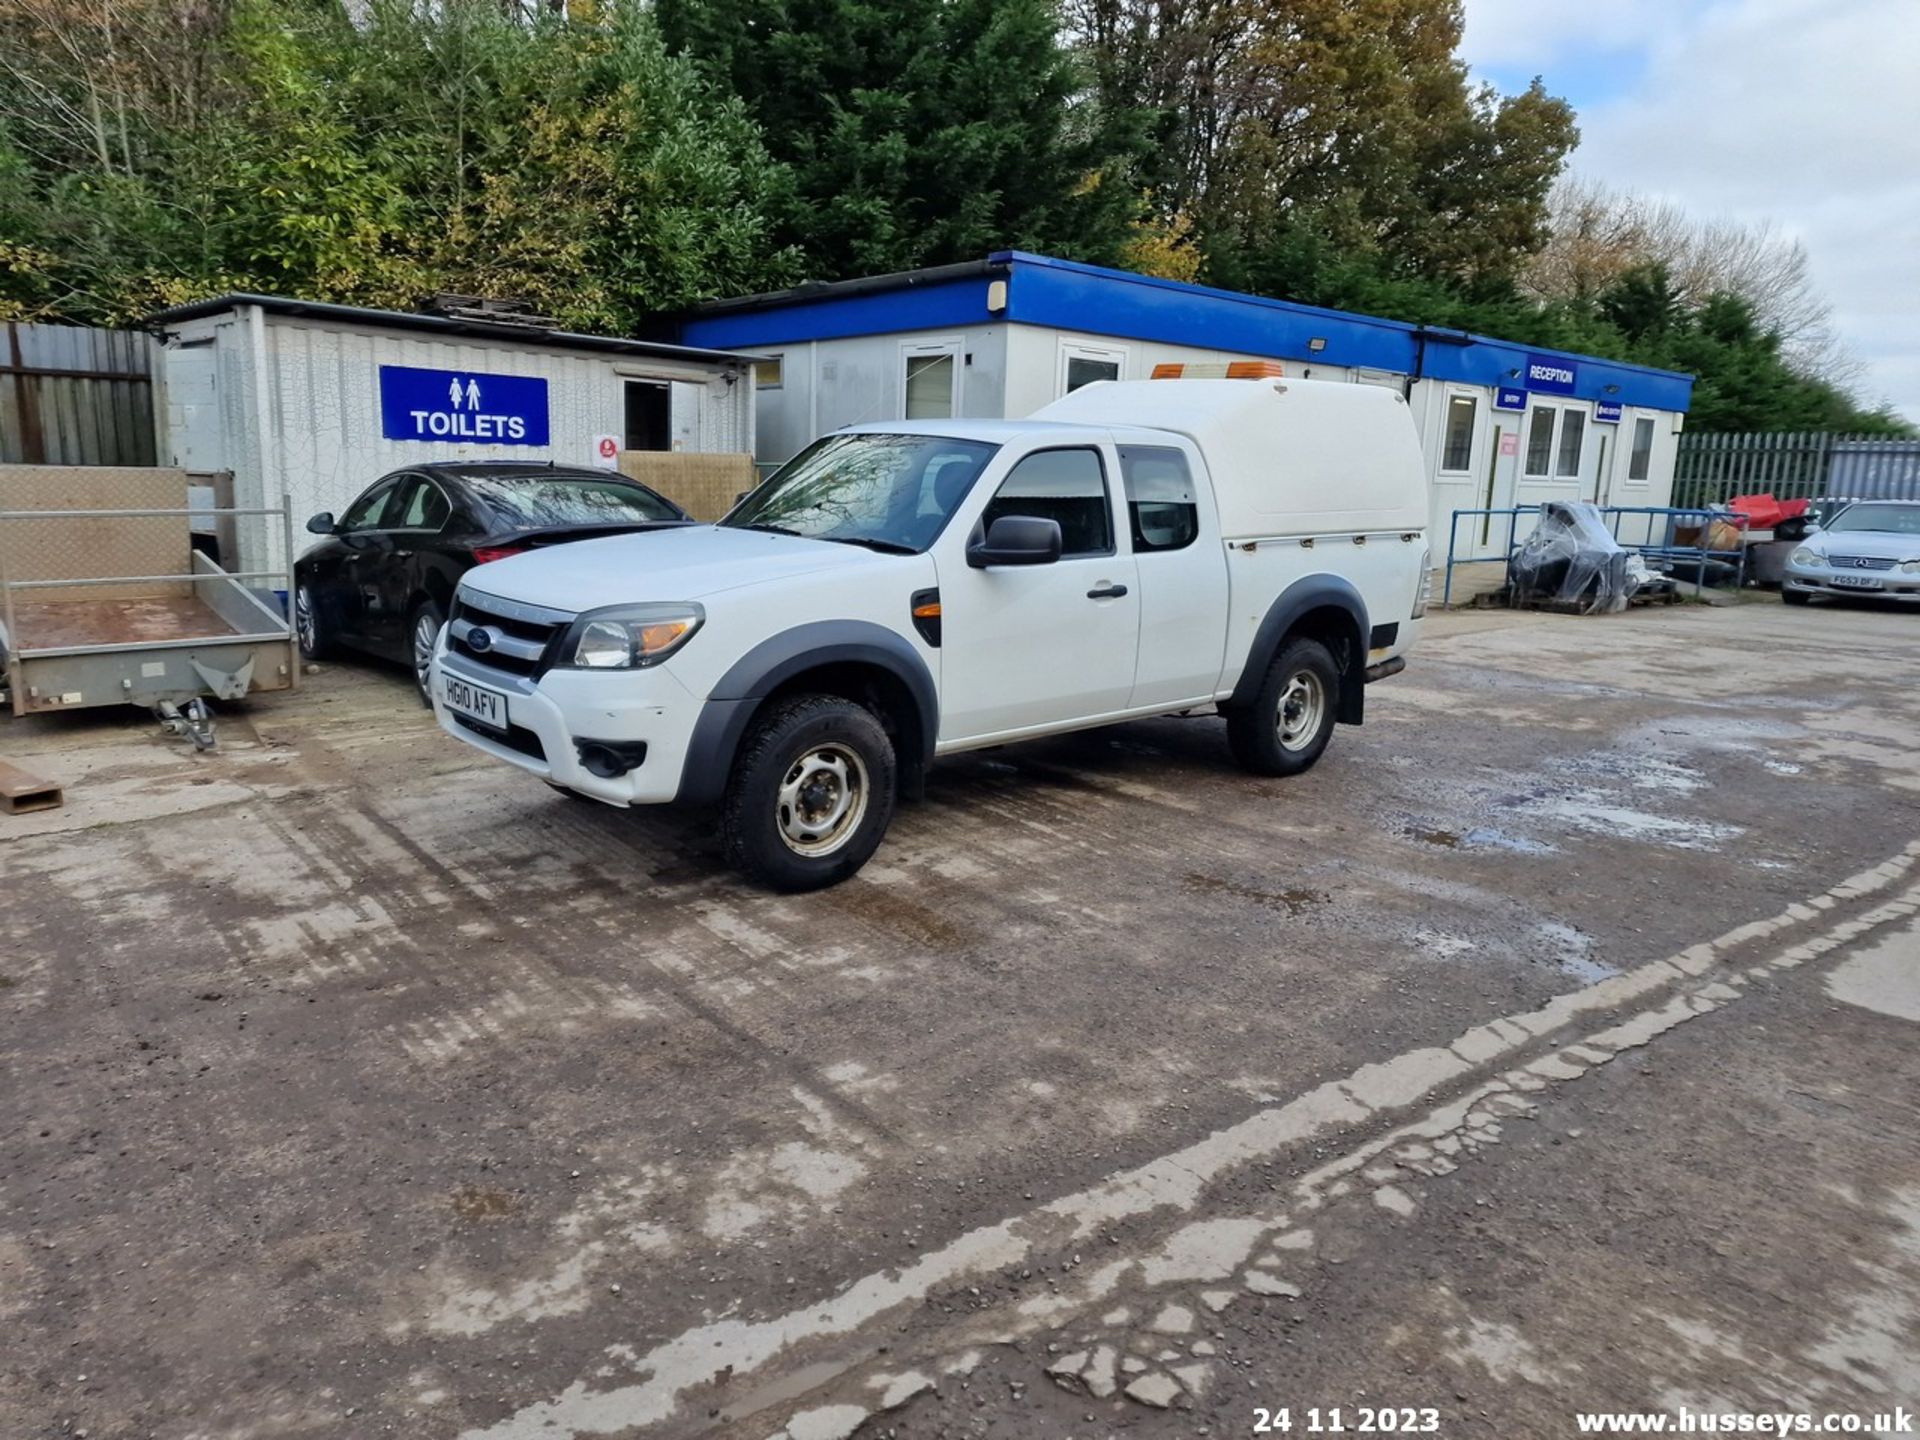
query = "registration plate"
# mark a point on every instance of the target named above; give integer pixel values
(1856, 582)
(476, 702)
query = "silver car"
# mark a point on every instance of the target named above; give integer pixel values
(1870, 548)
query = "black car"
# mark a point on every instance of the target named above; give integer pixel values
(383, 579)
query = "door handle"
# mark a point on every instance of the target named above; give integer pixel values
(1107, 592)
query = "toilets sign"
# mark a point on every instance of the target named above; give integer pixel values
(462, 406)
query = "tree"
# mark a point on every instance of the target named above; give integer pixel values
(412, 147)
(1599, 234)
(1354, 121)
(918, 131)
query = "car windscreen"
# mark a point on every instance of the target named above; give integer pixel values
(1888, 519)
(886, 491)
(539, 502)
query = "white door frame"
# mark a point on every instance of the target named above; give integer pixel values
(1069, 350)
(911, 350)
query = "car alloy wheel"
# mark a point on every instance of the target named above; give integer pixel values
(306, 625)
(426, 634)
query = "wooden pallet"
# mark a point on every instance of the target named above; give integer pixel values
(21, 793)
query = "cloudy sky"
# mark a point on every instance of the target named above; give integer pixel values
(1806, 112)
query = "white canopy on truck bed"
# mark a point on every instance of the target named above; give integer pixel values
(1270, 444)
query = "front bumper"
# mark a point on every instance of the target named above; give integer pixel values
(1835, 581)
(548, 719)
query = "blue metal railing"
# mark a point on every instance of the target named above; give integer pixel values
(1665, 551)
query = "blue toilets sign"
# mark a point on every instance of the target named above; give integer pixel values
(453, 406)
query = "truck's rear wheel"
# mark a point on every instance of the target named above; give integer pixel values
(811, 793)
(1288, 724)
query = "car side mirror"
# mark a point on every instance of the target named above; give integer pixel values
(1015, 540)
(322, 524)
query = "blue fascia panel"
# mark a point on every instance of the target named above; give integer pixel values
(1502, 362)
(927, 307)
(1069, 296)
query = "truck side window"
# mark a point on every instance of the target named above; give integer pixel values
(1069, 486)
(1161, 509)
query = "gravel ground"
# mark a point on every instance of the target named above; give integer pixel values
(1551, 1047)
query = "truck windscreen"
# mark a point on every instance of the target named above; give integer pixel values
(891, 491)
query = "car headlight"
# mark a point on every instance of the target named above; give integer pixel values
(1910, 567)
(631, 637)
(1805, 555)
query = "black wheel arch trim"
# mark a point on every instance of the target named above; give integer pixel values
(1309, 593)
(731, 706)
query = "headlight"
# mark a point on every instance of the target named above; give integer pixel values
(1806, 556)
(631, 637)
(1910, 567)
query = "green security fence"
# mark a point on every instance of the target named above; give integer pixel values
(1711, 469)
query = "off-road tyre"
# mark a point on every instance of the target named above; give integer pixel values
(800, 765)
(1286, 727)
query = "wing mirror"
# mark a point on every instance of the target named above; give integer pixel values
(1015, 540)
(321, 524)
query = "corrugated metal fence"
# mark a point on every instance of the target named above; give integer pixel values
(1712, 469)
(75, 396)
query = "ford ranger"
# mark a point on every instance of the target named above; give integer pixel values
(903, 591)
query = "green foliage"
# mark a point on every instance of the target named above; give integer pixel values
(628, 157)
(917, 131)
(568, 162)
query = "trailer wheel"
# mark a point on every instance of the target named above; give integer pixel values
(312, 631)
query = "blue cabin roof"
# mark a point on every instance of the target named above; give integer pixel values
(1067, 295)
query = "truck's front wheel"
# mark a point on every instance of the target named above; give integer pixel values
(811, 793)
(1292, 717)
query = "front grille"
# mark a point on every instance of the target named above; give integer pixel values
(1860, 562)
(509, 620)
(518, 737)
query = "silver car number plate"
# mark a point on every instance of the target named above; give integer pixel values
(1857, 582)
(476, 702)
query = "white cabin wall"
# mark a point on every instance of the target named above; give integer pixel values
(315, 431)
(1036, 362)
(827, 385)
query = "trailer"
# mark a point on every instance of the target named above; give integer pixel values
(106, 600)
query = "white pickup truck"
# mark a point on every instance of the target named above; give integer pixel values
(904, 591)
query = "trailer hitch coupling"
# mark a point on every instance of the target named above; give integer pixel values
(191, 721)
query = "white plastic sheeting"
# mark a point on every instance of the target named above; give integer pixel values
(1571, 559)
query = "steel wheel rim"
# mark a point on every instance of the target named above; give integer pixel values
(303, 624)
(1303, 705)
(426, 634)
(821, 800)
